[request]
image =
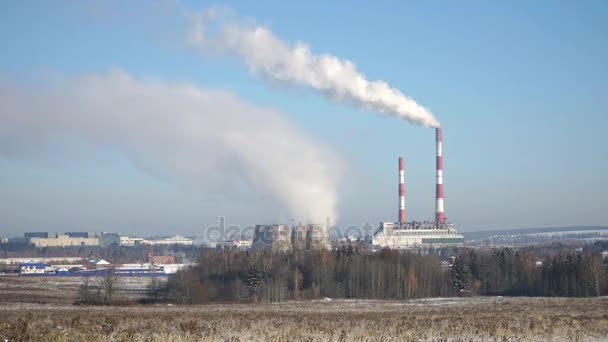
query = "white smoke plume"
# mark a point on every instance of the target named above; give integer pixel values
(177, 131)
(265, 54)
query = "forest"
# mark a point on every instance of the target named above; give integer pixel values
(349, 272)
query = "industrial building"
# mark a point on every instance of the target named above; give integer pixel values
(173, 240)
(281, 237)
(109, 239)
(99, 268)
(311, 236)
(242, 244)
(161, 259)
(62, 240)
(115, 239)
(407, 235)
(48, 239)
(276, 237)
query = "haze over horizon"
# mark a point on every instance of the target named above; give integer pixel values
(138, 118)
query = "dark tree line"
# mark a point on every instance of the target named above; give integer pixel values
(388, 274)
(521, 273)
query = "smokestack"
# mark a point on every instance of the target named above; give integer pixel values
(401, 192)
(439, 214)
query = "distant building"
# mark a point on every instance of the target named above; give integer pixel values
(276, 237)
(17, 261)
(234, 244)
(115, 239)
(281, 237)
(81, 234)
(174, 240)
(19, 240)
(47, 239)
(39, 234)
(300, 235)
(408, 235)
(31, 268)
(62, 240)
(132, 241)
(173, 268)
(109, 239)
(161, 259)
(100, 263)
(311, 236)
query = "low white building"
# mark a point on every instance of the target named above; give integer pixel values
(234, 244)
(63, 240)
(15, 261)
(100, 263)
(174, 240)
(173, 268)
(115, 239)
(416, 235)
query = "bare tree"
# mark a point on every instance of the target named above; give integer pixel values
(106, 286)
(86, 291)
(155, 288)
(239, 290)
(595, 273)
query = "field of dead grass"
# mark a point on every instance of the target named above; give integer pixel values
(61, 290)
(449, 319)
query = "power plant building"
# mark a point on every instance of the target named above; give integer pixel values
(407, 235)
(311, 236)
(281, 237)
(276, 237)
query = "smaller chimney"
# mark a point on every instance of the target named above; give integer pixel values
(439, 213)
(401, 192)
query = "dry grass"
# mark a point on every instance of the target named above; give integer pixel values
(488, 319)
(61, 290)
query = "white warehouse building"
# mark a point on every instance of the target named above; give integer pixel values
(416, 235)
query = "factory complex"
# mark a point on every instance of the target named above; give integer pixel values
(407, 235)
(282, 237)
(156, 265)
(48, 239)
(394, 235)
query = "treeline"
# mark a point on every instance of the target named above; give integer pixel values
(520, 273)
(388, 274)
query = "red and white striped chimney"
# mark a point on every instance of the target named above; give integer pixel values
(401, 192)
(439, 214)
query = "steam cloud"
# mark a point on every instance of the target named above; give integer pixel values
(175, 131)
(265, 54)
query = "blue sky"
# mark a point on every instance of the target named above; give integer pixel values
(519, 87)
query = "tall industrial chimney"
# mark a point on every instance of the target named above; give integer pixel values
(439, 214)
(401, 192)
